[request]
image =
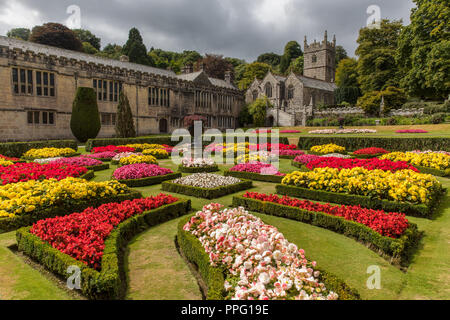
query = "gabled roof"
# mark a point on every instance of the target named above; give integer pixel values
(221, 83)
(316, 83)
(279, 78)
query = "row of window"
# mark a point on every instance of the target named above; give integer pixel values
(203, 99)
(41, 117)
(225, 102)
(268, 92)
(158, 97)
(108, 119)
(225, 122)
(107, 90)
(28, 82)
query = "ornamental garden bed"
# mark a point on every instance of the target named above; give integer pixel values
(435, 172)
(299, 165)
(149, 181)
(107, 280)
(201, 189)
(366, 156)
(220, 282)
(63, 207)
(213, 168)
(435, 163)
(64, 156)
(397, 250)
(254, 176)
(417, 210)
(143, 174)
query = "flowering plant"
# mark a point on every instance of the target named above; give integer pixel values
(430, 151)
(369, 164)
(261, 156)
(290, 131)
(342, 131)
(5, 163)
(48, 153)
(46, 160)
(111, 148)
(291, 153)
(337, 155)
(259, 262)
(137, 159)
(197, 162)
(328, 148)
(402, 186)
(257, 167)
(307, 158)
(157, 153)
(121, 155)
(82, 235)
(272, 146)
(438, 161)
(388, 224)
(370, 151)
(107, 155)
(206, 180)
(25, 197)
(2, 157)
(21, 172)
(144, 146)
(77, 161)
(411, 131)
(139, 171)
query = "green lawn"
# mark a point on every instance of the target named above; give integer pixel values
(156, 271)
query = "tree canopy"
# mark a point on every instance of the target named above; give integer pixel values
(57, 35)
(87, 36)
(292, 51)
(135, 49)
(253, 70)
(19, 33)
(215, 65)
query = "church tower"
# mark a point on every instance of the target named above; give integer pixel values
(319, 59)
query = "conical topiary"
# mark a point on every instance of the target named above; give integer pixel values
(124, 123)
(85, 121)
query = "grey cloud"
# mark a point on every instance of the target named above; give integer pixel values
(218, 26)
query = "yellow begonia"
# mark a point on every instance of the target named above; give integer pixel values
(328, 148)
(26, 197)
(158, 153)
(438, 161)
(5, 163)
(133, 159)
(48, 153)
(403, 185)
(252, 157)
(143, 146)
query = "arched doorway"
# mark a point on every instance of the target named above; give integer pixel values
(163, 126)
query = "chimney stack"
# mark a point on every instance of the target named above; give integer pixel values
(228, 76)
(124, 59)
(203, 67)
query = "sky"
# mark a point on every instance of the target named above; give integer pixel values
(236, 28)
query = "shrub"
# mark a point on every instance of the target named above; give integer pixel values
(17, 149)
(438, 118)
(85, 120)
(124, 123)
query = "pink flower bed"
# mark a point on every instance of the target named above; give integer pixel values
(307, 158)
(78, 161)
(101, 155)
(139, 171)
(291, 152)
(411, 131)
(290, 131)
(257, 167)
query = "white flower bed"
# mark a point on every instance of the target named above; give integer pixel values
(260, 262)
(121, 155)
(337, 155)
(206, 180)
(197, 162)
(46, 160)
(342, 131)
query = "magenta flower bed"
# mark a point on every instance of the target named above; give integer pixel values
(290, 131)
(78, 161)
(411, 131)
(307, 158)
(257, 167)
(291, 152)
(101, 155)
(139, 171)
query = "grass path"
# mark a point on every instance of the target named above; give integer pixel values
(156, 271)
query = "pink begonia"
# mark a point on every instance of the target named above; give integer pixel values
(139, 171)
(290, 131)
(290, 152)
(307, 158)
(259, 261)
(78, 161)
(101, 155)
(257, 167)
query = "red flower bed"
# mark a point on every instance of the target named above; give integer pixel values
(389, 224)
(8, 158)
(272, 146)
(21, 172)
(112, 148)
(82, 235)
(411, 131)
(369, 164)
(371, 151)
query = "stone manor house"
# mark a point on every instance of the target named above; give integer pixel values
(295, 97)
(39, 84)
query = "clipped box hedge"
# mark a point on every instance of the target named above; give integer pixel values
(214, 277)
(213, 168)
(100, 167)
(254, 176)
(434, 172)
(396, 251)
(27, 219)
(417, 210)
(397, 144)
(149, 181)
(17, 149)
(73, 155)
(300, 165)
(366, 156)
(110, 282)
(88, 175)
(206, 193)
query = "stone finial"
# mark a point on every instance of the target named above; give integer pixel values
(334, 40)
(382, 105)
(325, 37)
(124, 58)
(305, 43)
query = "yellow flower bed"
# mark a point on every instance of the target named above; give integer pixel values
(5, 163)
(48, 153)
(139, 147)
(403, 185)
(25, 197)
(438, 161)
(328, 148)
(137, 159)
(157, 153)
(251, 158)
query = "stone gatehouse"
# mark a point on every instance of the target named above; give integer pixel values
(39, 84)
